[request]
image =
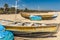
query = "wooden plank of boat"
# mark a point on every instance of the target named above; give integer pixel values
(32, 28)
(25, 15)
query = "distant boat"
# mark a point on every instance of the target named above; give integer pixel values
(42, 17)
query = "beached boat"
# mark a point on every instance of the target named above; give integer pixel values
(42, 16)
(30, 27)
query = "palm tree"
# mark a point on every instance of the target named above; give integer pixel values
(6, 8)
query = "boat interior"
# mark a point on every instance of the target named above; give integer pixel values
(37, 14)
(29, 24)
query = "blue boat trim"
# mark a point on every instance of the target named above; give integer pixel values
(35, 17)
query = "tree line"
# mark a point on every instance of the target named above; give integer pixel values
(11, 10)
(7, 10)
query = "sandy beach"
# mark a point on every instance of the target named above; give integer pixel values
(21, 19)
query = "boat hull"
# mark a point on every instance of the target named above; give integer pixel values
(32, 29)
(44, 17)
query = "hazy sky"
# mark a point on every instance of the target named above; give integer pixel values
(34, 4)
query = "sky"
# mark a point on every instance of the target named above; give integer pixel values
(34, 4)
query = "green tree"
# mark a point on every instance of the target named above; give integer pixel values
(26, 10)
(6, 8)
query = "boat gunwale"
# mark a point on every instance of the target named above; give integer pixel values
(32, 26)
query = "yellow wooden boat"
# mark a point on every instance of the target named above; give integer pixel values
(30, 27)
(44, 16)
